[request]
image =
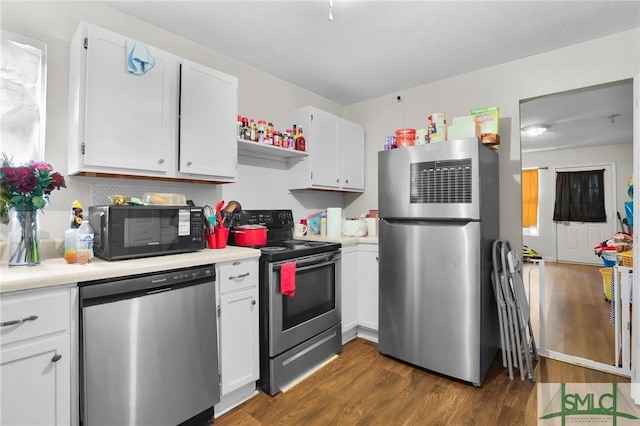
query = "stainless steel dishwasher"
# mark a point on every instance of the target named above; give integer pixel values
(148, 349)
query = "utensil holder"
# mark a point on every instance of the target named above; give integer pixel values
(211, 241)
(221, 234)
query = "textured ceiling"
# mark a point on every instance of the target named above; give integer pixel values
(373, 48)
(580, 117)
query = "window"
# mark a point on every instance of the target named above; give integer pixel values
(580, 197)
(23, 97)
(530, 193)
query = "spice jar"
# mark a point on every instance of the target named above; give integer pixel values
(262, 130)
(287, 142)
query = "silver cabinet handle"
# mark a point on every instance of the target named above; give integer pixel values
(346, 181)
(19, 321)
(161, 161)
(56, 358)
(189, 163)
(237, 277)
(253, 302)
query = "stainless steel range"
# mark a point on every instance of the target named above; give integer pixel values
(297, 332)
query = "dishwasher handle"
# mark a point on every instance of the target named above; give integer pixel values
(144, 283)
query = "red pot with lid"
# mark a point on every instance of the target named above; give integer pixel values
(250, 235)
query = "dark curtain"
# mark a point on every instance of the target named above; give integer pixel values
(580, 196)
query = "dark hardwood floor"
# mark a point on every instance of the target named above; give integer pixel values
(363, 387)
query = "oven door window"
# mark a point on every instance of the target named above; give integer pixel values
(315, 295)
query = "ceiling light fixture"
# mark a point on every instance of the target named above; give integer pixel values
(535, 129)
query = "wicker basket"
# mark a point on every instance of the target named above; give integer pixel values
(626, 258)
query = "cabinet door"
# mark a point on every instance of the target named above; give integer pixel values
(36, 386)
(352, 156)
(323, 149)
(239, 350)
(208, 119)
(349, 283)
(129, 119)
(368, 290)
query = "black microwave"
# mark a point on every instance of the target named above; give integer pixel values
(128, 232)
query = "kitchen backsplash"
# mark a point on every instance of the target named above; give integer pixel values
(261, 184)
(201, 194)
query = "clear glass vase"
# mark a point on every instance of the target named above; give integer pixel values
(24, 238)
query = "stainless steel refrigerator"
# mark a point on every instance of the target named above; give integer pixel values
(439, 205)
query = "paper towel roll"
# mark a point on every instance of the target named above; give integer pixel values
(334, 222)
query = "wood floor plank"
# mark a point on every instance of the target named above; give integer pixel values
(364, 387)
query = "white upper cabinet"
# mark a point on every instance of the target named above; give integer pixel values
(336, 152)
(208, 107)
(129, 123)
(352, 156)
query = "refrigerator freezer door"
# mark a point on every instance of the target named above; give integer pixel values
(430, 291)
(438, 181)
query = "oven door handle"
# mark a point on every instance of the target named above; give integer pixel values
(310, 262)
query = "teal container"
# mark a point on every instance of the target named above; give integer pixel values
(628, 207)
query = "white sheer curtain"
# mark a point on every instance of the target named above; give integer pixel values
(23, 91)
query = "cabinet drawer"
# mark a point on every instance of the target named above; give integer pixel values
(238, 275)
(49, 313)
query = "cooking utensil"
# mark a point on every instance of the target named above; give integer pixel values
(210, 218)
(233, 207)
(219, 212)
(208, 225)
(229, 212)
(250, 235)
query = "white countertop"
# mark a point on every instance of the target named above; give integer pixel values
(56, 271)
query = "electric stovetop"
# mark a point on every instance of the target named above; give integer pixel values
(280, 242)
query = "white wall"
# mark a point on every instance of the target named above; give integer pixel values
(263, 96)
(261, 183)
(620, 155)
(606, 59)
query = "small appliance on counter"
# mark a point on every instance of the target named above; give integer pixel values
(128, 232)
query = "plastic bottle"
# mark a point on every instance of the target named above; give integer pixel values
(323, 226)
(300, 141)
(70, 236)
(262, 130)
(84, 242)
(239, 125)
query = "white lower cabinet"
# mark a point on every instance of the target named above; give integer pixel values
(36, 358)
(368, 287)
(349, 283)
(238, 328)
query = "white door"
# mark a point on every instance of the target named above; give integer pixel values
(352, 141)
(208, 117)
(324, 149)
(575, 240)
(129, 118)
(238, 339)
(35, 384)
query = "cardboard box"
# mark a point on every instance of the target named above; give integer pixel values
(486, 124)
